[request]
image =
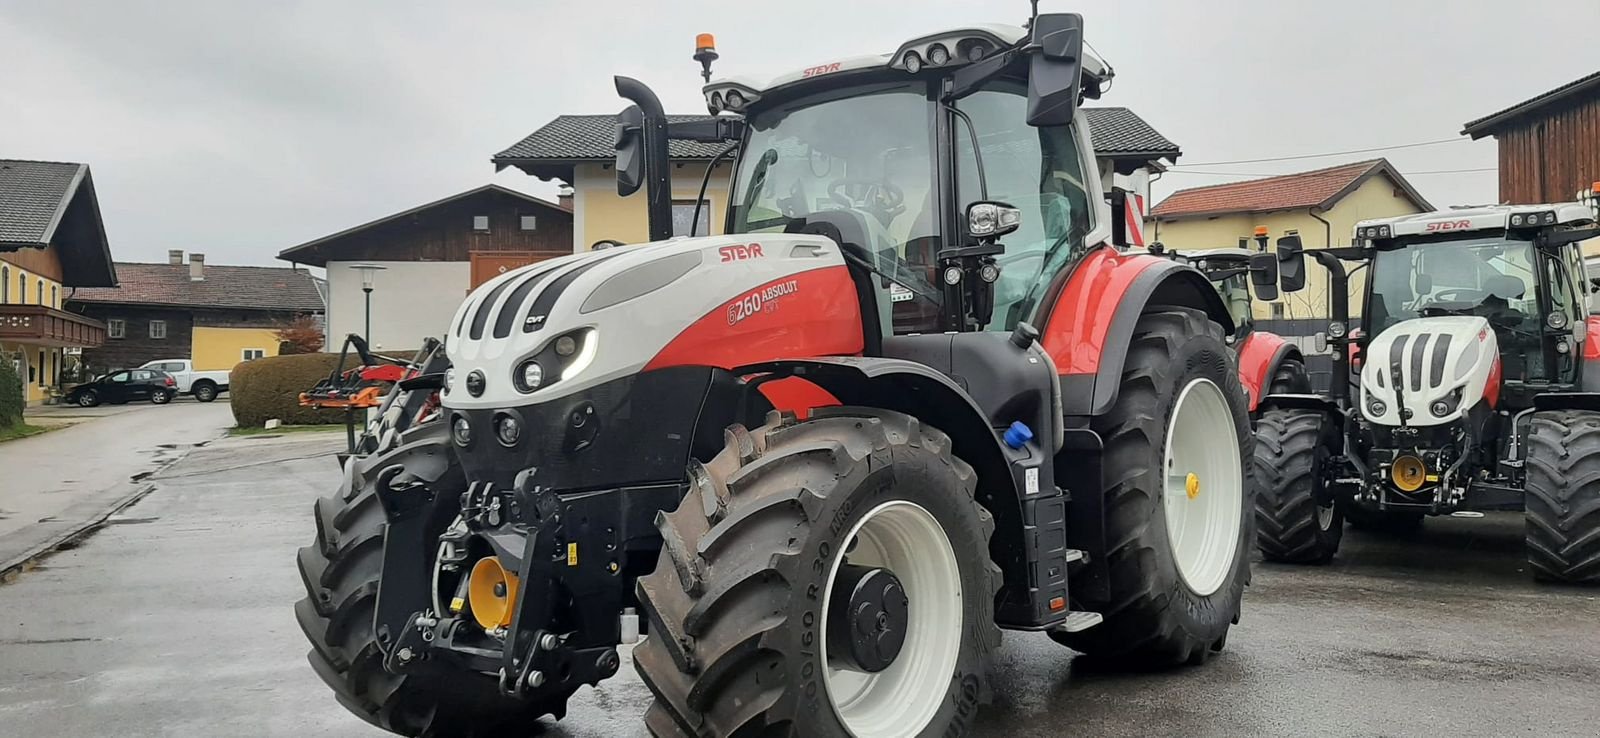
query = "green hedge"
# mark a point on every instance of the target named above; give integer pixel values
(11, 402)
(264, 389)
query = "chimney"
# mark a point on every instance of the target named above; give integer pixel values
(175, 257)
(564, 197)
(197, 267)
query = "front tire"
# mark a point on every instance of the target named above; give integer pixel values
(1179, 562)
(89, 398)
(1296, 521)
(1563, 497)
(740, 600)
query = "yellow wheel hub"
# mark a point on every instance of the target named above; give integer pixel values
(1191, 485)
(491, 592)
(1408, 473)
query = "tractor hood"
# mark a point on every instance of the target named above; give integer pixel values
(1442, 363)
(589, 318)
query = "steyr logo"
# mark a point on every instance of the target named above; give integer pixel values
(820, 69)
(740, 252)
(1447, 225)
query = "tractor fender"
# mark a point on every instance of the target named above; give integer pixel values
(1589, 381)
(1259, 358)
(1567, 400)
(1089, 326)
(931, 397)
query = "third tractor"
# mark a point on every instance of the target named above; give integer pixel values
(1476, 388)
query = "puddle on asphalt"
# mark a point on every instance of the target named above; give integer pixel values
(122, 520)
(44, 641)
(141, 476)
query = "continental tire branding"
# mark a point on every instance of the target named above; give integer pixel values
(966, 706)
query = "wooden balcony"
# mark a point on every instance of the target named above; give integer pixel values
(42, 326)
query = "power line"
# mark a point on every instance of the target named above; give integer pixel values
(1315, 175)
(1332, 153)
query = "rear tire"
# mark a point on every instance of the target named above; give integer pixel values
(161, 398)
(1290, 379)
(1295, 522)
(738, 635)
(1155, 617)
(342, 571)
(204, 391)
(1563, 497)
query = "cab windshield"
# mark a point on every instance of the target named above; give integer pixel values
(867, 152)
(1495, 278)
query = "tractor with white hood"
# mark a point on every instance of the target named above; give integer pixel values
(913, 396)
(1470, 382)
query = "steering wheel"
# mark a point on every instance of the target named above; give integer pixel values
(1465, 294)
(882, 199)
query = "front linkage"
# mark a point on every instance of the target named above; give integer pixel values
(547, 621)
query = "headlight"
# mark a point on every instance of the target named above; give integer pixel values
(1336, 329)
(938, 54)
(1440, 408)
(1562, 347)
(507, 429)
(913, 62)
(529, 376)
(461, 430)
(449, 379)
(1375, 406)
(1557, 320)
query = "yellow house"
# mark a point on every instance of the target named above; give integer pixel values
(52, 241)
(215, 315)
(578, 151)
(1322, 206)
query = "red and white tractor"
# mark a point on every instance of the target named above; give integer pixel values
(1477, 387)
(912, 398)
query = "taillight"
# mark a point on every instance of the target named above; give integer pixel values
(172, 382)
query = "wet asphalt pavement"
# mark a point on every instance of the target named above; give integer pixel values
(176, 620)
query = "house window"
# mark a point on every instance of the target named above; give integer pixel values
(40, 299)
(683, 215)
(43, 370)
(529, 222)
(1277, 310)
(158, 329)
(22, 289)
(253, 354)
(55, 297)
(480, 222)
(116, 328)
(5, 285)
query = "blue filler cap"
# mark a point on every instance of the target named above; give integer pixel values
(1018, 435)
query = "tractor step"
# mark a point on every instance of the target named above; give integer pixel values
(1081, 620)
(1074, 555)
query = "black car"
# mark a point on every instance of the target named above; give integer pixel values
(124, 386)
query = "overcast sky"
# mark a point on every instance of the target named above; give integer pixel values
(239, 129)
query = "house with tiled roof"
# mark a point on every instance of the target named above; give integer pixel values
(213, 314)
(51, 242)
(577, 151)
(1321, 205)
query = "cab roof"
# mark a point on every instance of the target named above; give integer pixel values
(991, 36)
(1483, 217)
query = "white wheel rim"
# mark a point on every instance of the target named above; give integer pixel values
(1204, 492)
(1325, 517)
(907, 540)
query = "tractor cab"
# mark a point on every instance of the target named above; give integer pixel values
(954, 172)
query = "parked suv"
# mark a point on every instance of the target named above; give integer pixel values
(205, 386)
(126, 385)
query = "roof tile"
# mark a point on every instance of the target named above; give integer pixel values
(1282, 192)
(1115, 131)
(31, 193)
(236, 287)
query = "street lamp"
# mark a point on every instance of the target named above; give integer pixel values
(368, 271)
